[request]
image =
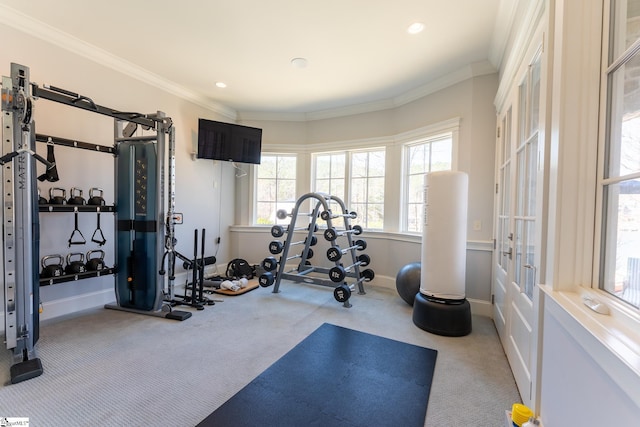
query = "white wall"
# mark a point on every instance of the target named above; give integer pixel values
(204, 190)
(577, 385)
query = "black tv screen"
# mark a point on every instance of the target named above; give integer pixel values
(228, 142)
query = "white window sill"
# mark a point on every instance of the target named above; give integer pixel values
(618, 333)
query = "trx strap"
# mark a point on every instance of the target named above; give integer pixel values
(98, 236)
(51, 174)
(73, 233)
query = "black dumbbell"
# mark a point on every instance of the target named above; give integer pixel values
(276, 246)
(334, 253)
(95, 263)
(77, 266)
(266, 279)
(338, 273)
(269, 263)
(279, 230)
(332, 234)
(342, 292)
(50, 269)
(325, 215)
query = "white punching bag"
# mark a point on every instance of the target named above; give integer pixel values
(444, 235)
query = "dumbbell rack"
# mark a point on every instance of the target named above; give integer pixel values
(303, 273)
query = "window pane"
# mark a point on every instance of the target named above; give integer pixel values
(375, 216)
(624, 125)
(337, 165)
(323, 166)
(359, 165)
(322, 186)
(418, 158)
(267, 168)
(337, 189)
(518, 244)
(522, 125)
(441, 155)
(286, 191)
(532, 179)
(625, 26)
(416, 189)
(265, 213)
(529, 261)
(535, 95)
(521, 173)
(376, 163)
(287, 167)
(621, 275)
(376, 190)
(266, 190)
(414, 217)
(358, 190)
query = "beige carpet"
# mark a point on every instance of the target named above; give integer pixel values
(112, 368)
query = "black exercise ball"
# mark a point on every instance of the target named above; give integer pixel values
(408, 282)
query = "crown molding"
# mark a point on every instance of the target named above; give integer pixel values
(528, 17)
(472, 70)
(503, 28)
(43, 31)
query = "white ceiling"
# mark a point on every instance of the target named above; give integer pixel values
(358, 51)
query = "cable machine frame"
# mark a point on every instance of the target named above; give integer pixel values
(21, 228)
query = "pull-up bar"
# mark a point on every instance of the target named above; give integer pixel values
(72, 99)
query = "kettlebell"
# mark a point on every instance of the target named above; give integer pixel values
(41, 200)
(77, 266)
(75, 197)
(51, 269)
(59, 199)
(96, 263)
(96, 200)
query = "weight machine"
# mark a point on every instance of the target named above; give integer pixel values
(143, 231)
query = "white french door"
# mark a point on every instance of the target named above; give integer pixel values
(517, 228)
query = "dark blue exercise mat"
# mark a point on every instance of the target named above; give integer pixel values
(336, 377)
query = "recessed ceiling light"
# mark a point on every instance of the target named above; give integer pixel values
(221, 85)
(415, 28)
(299, 62)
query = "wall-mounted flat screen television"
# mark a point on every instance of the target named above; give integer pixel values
(228, 142)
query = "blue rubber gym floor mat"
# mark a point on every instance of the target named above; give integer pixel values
(336, 377)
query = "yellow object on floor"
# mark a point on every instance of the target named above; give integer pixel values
(520, 414)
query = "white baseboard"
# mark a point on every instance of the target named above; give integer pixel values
(70, 305)
(479, 307)
(64, 306)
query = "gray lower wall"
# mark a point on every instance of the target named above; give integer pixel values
(389, 252)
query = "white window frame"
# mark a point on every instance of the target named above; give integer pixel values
(609, 111)
(347, 172)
